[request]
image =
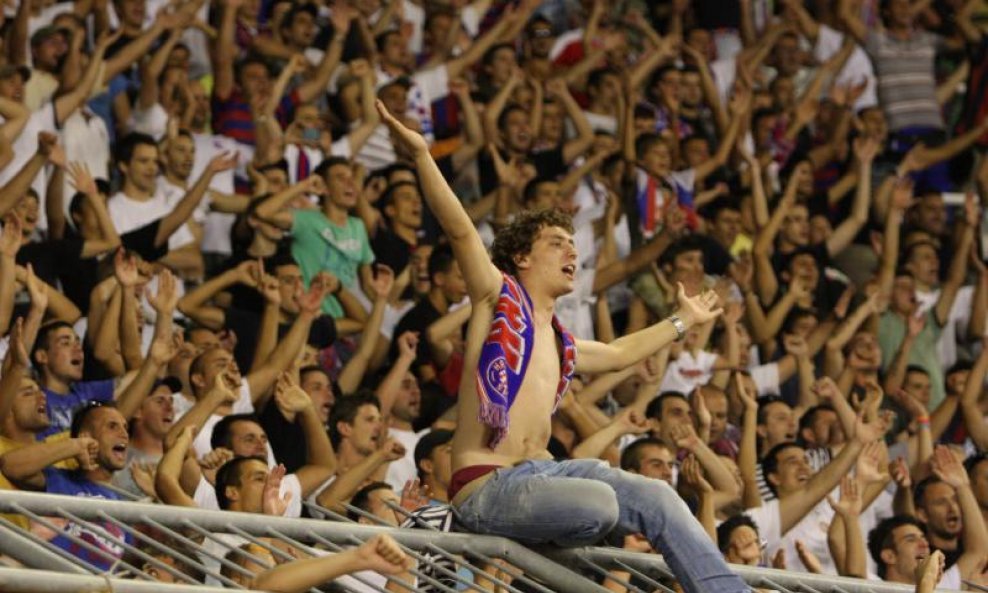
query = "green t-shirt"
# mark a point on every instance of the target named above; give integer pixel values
(319, 245)
(891, 332)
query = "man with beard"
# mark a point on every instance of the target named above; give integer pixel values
(946, 504)
(99, 440)
(401, 404)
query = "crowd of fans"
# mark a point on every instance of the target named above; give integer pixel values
(220, 287)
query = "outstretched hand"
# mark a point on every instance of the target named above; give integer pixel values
(697, 309)
(412, 141)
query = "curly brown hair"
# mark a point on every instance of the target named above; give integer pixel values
(517, 238)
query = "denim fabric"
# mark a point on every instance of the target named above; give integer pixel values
(578, 502)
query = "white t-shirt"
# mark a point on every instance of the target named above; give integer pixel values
(85, 139)
(25, 147)
(128, 214)
(951, 579)
(766, 378)
(403, 470)
(958, 320)
(811, 530)
(689, 371)
(857, 68)
(216, 225)
(427, 86)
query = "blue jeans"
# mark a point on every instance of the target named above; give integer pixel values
(577, 502)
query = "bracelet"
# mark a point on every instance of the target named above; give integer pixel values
(679, 325)
(923, 421)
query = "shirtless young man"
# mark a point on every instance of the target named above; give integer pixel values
(518, 363)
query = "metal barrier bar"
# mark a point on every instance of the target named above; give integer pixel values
(432, 547)
(546, 568)
(31, 550)
(180, 538)
(46, 522)
(21, 580)
(790, 580)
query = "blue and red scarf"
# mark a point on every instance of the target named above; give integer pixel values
(506, 353)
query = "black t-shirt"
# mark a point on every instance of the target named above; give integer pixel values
(391, 250)
(418, 319)
(548, 163)
(61, 260)
(246, 325)
(141, 241)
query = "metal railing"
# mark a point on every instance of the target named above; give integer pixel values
(447, 562)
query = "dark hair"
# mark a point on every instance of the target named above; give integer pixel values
(323, 169)
(915, 368)
(767, 400)
(959, 367)
(346, 410)
(532, 187)
(382, 38)
(129, 143)
(770, 463)
(361, 499)
(222, 432)
(972, 462)
(518, 237)
(253, 58)
(427, 444)
(441, 260)
(502, 118)
(806, 420)
(80, 418)
(726, 529)
(794, 315)
(489, 54)
(880, 538)
(631, 457)
(393, 168)
(229, 475)
(597, 76)
(654, 407)
(646, 141)
(44, 333)
(388, 197)
(296, 9)
(687, 244)
(919, 490)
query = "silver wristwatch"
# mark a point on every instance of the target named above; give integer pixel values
(679, 325)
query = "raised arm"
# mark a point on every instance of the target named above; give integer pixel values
(864, 153)
(25, 466)
(379, 554)
(482, 278)
(262, 379)
(958, 266)
(974, 419)
(974, 536)
(187, 205)
(852, 20)
(595, 357)
(194, 303)
(794, 507)
(315, 86)
(167, 482)
(320, 461)
(225, 51)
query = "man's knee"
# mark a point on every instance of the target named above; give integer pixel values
(596, 516)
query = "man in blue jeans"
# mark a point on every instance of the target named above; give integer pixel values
(518, 364)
